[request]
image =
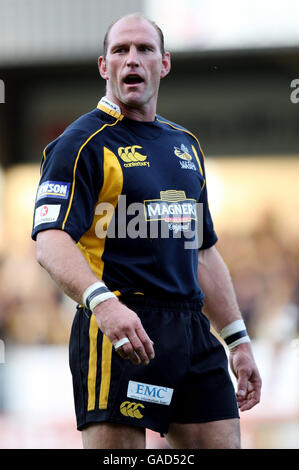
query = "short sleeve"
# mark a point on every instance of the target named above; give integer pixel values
(69, 185)
(209, 236)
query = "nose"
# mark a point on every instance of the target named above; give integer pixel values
(132, 58)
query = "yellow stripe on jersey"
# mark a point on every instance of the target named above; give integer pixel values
(200, 167)
(43, 161)
(92, 366)
(197, 158)
(112, 112)
(76, 163)
(92, 243)
(187, 132)
(93, 248)
(195, 153)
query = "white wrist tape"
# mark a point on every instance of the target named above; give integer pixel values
(235, 333)
(96, 294)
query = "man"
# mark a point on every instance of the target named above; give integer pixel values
(141, 351)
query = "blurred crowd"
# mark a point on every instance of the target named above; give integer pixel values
(33, 310)
(264, 267)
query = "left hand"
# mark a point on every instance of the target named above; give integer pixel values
(249, 381)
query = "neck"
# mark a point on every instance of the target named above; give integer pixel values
(146, 112)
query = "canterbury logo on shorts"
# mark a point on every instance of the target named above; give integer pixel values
(128, 408)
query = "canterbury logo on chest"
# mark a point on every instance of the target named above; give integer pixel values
(132, 156)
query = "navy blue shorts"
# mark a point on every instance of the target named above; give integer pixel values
(187, 382)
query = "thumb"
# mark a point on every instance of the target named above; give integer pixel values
(242, 383)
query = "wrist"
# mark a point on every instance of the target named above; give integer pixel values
(245, 347)
(235, 334)
(96, 294)
(105, 305)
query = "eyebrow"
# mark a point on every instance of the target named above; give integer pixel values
(126, 44)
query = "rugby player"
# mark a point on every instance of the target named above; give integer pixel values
(142, 354)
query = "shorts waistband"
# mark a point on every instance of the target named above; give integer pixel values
(149, 302)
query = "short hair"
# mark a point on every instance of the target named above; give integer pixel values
(141, 17)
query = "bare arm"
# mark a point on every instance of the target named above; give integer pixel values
(57, 252)
(221, 308)
(221, 305)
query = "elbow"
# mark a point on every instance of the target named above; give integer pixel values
(204, 256)
(40, 252)
(51, 245)
(39, 255)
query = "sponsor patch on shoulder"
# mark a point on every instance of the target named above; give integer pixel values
(57, 189)
(150, 393)
(46, 214)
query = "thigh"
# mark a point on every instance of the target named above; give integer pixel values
(113, 436)
(222, 434)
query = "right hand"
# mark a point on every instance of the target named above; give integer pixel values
(116, 321)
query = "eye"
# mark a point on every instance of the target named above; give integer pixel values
(145, 48)
(119, 50)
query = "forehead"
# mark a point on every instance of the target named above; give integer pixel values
(133, 30)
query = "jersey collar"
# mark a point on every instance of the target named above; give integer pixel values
(109, 107)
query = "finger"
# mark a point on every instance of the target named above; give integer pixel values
(128, 355)
(125, 349)
(121, 353)
(140, 349)
(131, 354)
(143, 346)
(242, 384)
(118, 346)
(119, 343)
(254, 385)
(248, 404)
(241, 396)
(128, 352)
(252, 398)
(147, 343)
(136, 350)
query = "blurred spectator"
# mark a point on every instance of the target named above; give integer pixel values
(32, 310)
(265, 272)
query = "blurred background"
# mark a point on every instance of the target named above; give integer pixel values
(233, 64)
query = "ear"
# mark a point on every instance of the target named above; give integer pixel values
(102, 67)
(166, 65)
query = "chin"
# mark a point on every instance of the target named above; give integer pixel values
(133, 104)
(134, 101)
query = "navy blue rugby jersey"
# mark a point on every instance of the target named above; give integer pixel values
(127, 192)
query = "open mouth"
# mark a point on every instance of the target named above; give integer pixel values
(133, 79)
